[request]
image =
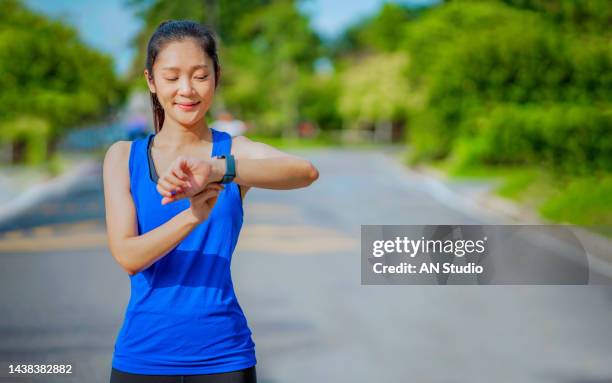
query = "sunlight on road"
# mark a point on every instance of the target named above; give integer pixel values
(279, 239)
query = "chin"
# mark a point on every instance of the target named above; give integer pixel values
(188, 121)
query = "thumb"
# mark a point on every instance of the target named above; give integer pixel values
(206, 194)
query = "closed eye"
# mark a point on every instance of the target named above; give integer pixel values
(199, 78)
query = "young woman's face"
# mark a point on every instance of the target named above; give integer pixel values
(184, 81)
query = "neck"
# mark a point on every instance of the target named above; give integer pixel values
(175, 135)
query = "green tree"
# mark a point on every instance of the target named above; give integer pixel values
(48, 76)
(468, 59)
(223, 16)
(280, 48)
(381, 32)
(592, 16)
(376, 90)
(266, 48)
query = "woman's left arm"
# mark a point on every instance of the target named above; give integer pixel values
(263, 166)
(257, 165)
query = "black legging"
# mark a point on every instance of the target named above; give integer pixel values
(247, 375)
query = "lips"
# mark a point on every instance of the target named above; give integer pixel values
(187, 106)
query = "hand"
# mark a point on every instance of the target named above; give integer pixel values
(186, 177)
(202, 203)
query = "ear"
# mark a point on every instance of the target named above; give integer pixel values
(150, 82)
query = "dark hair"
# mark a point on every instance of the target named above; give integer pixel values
(177, 30)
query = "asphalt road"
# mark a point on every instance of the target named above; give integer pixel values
(297, 276)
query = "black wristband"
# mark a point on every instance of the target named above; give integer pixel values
(230, 169)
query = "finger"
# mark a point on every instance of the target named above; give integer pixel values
(201, 195)
(179, 173)
(175, 181)
(161, 190)
(212, 187)
(205, 194)
(172, 197)
(185, 164)
(167, 200)
(165, 188)
(178, 195)
(206, 188)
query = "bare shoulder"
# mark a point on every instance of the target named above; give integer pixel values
(117, 156)
(119, 149)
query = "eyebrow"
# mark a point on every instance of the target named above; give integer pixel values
(193, 67)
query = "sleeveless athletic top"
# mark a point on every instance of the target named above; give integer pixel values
(183, 316)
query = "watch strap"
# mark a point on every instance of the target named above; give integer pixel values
(230, 169)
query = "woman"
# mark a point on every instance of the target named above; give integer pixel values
(175, 233)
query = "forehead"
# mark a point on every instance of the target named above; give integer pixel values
(182, 54)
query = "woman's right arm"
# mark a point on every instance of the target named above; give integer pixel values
(133, 252)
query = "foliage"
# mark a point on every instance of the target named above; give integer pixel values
(376, 88)
(267, 48)
(318, 99)
(31, 130)
(47, 72)
(470, 60)
(594, 16)
(381, 32)
(566, 137)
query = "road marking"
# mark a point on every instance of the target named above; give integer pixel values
(73, 241)
(14, 234)
(42, 231)
(278, 239)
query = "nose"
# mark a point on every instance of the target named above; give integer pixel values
(185, 88)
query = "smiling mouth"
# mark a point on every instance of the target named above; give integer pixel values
(187, 106)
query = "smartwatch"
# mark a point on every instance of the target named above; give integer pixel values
(230, 169)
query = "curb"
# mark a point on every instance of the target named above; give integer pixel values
(596, 245)
(490, 201)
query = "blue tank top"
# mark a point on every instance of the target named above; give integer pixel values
(183, 316)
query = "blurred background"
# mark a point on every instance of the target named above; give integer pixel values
(415, 112)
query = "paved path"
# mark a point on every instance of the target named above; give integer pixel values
(297, 275)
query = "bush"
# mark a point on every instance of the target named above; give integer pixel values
(32, 132)
(468, 57)
(567, 137)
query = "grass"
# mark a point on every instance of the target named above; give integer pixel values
(560, 198)
(583, 201)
